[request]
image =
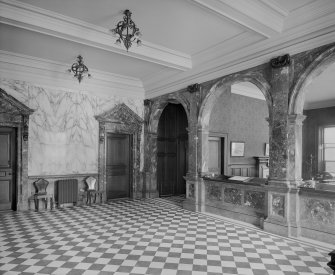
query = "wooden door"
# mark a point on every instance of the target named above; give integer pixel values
(7, 168)
(118, 168)
(214, 163)
(172, 143)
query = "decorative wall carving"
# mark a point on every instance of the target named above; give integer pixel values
(214, 191)
(281, 61)
(319, 211)
(191, 190)
(278, 205)
(233, 195)
(254, 200)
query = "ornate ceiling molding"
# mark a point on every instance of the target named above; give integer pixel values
(43, 21)
(261, 18)
(49, 73)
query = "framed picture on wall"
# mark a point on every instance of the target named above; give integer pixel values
(237, 149)
(266, 149)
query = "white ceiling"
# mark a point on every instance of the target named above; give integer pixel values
(184, 41)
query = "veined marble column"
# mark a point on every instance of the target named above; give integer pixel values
(193, 181)
(283, 201)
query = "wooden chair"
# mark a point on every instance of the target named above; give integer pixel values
(41, 193)
(92, 193)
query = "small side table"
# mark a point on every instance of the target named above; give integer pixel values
(44, 197)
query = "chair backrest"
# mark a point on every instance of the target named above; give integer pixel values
(91, 183)
(41, 186)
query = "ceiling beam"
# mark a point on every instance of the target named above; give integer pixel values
(50, 23)
(264, 18)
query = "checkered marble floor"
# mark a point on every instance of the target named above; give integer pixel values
(145, 237)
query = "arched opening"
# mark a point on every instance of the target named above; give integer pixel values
(318, 135)
(172, 147)
(239, 133)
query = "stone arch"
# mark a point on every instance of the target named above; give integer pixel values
(156, 110)
(16, 115)
(320, 64)
(158, 107)
(224, 84)
(220, 87)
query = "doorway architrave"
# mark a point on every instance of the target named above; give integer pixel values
(15, 114)
(120, 120)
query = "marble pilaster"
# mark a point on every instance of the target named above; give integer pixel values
(280, 80)
(295, 149)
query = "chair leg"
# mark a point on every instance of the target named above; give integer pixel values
(36, 204)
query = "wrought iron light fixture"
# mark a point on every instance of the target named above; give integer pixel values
(127, 31)
(79, 69)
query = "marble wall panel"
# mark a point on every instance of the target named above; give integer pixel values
(214, 192)
(254, 200)
(233, 195)
(191, 190)
(318, 211)
(63, 134)
(278, 205)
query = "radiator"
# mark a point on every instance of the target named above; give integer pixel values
(67, 191)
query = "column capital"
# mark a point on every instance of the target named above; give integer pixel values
(193, 88)
(296, 119)
(280, 61)
(153, 135)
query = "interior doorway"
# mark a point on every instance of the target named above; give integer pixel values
(172, 151)
(7, 168)
(118, 166)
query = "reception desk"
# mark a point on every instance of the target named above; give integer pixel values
(244, 200)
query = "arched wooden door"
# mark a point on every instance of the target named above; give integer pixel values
(172, 143)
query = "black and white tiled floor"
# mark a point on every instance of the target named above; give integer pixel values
(145, 237)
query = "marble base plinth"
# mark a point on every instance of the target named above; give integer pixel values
(318, 235)
(239, 216)
(191, 205)
(281, 228)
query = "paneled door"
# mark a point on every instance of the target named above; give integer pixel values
(7, 168)
(118, 168)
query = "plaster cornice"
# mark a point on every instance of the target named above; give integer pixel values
(48, 73)
(295, 41)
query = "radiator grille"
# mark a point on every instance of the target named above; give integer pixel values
(67, 191)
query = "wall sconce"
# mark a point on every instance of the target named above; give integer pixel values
(79, 69)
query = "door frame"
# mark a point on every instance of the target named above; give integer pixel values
(13, 154)
(121, 120)
(16, 115)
